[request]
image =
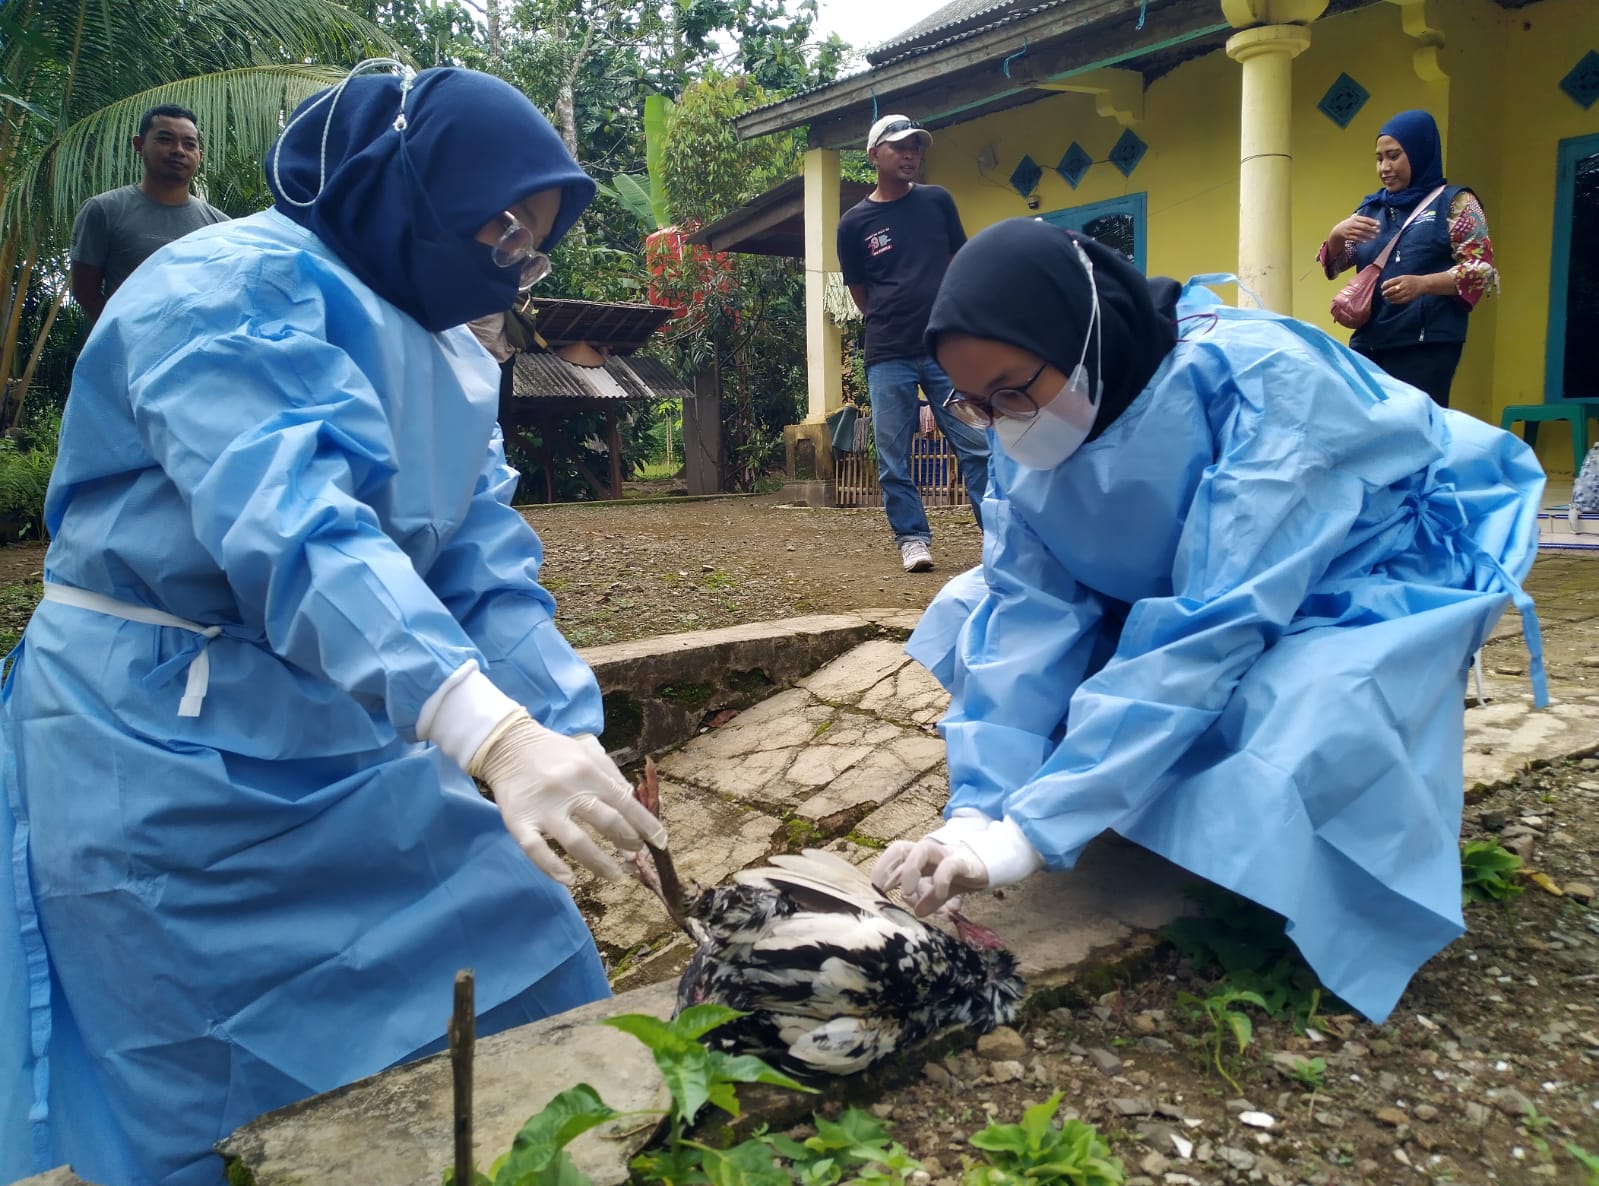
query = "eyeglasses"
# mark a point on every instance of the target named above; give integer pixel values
(895, 128)
(516, 249)
(980, 412)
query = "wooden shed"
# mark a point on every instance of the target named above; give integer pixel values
(575, 357)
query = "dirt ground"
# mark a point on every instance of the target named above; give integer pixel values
(1486, 1072)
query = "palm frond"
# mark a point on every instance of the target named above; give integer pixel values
(239, 113)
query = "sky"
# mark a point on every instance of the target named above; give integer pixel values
(865, 23)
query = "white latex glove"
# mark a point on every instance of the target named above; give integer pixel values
(926, 423)
(545, 784)
(929, 872)
(548, 785)
(970, 852)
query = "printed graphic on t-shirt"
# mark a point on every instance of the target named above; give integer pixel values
(878, 241)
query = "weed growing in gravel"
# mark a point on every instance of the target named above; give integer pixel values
(1248, 946)
(1588, 1161)
(1309, 1073)
(853, 1150)
(1487, 872)
(1217, 1011)
(1036, 1152)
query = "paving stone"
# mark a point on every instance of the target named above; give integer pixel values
(894, 759)
(850, 677)
(911, 695)
(914, 812)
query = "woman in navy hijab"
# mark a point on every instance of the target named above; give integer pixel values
(1440, 268)
(289, 616)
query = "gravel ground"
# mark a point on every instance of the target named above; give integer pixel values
(1485, 1072)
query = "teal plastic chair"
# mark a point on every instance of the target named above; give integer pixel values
(1576, 413)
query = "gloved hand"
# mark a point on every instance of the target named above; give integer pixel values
(929, 872)
(969, 852)
(545, 784)
(548, 785)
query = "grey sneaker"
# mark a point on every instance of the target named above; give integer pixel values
(916, 556)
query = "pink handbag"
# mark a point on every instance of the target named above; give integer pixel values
(1352, 306)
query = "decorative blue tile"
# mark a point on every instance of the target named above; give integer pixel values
(1074, 164)
(1343, 100)
(1582, 84)
(1127, 152)
(1024, 178)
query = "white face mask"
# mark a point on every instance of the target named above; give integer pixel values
(1063, 424)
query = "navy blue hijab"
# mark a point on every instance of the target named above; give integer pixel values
(401, 205)
(1417, 133)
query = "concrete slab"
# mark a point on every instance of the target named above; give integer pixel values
(795, 752)
(1052, 922)
(915, 811)
(1503, 737)
(396, 1128)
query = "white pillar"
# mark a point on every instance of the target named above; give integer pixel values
(1265, 166)
(824, 363)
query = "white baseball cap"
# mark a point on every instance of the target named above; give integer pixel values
(896, 127)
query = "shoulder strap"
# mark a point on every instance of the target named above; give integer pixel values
(1382, 256)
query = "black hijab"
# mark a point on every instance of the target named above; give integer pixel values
(1020, 282)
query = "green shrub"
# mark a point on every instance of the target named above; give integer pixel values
(26, 462)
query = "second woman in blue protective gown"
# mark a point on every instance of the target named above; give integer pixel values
(1233, 577)
(283, 555)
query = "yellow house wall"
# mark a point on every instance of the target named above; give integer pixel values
(1500, 112)
(1541, 43)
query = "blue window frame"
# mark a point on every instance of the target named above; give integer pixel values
(1571, 362)
(1120, 223)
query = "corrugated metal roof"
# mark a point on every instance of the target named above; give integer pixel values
(622, 327)
(954, 22)
(963, 16)
(539, 375)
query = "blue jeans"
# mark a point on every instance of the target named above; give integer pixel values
(892, 385)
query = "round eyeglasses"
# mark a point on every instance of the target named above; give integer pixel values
(516, 249)
(980, 412)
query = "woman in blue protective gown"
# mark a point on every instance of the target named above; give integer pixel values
(1233, 578)
(289, 610)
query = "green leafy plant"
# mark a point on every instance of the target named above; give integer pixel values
(1224, 1022)
(1487, 872)
(1588, 1161)
(853, 1148)
(1249, 947)
(694, 1075)
(1036, 1151)
(1309, 1073)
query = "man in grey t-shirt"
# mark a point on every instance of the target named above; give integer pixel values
(116, 231)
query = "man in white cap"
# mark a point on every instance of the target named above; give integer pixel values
(894, 246)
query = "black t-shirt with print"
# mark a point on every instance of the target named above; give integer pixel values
(899, 250)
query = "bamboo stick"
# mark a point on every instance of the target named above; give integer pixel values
(463, 1038)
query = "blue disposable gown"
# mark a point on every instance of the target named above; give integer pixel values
(207, 917)
(1235, 629)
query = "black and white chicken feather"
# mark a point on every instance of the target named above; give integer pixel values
(831, 975)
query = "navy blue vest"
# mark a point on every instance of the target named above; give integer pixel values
(1423, 249)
